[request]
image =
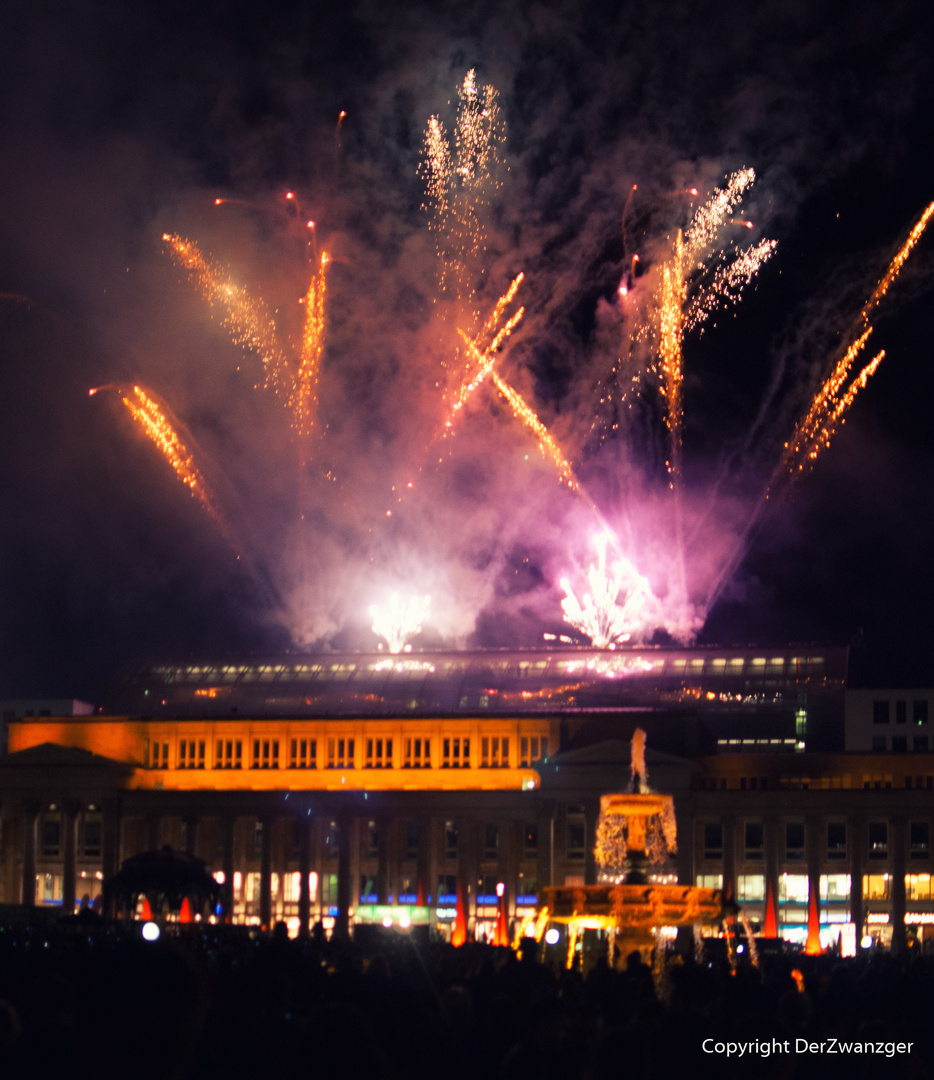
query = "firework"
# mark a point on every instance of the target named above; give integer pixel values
(158, 424)
(831, 401)
(670, 338)
(459, 182)
(304, 397)
(400, 621)
(600, 615)
(246, 318)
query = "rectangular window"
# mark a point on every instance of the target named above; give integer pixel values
(875, 886)
(378, 754)
(713, 840)
(532, 748)
(575, 838)
(490, 841)
(836, 840)
(878, 840)
(494, 752)
(793, 889)
(416, 753)
(919, 836)
(51, 837)
(450, 840)
(880, 712)
(918, 886)
(411, 840)
(303, 753)
(755, 840)
(835, 888)
(229, 754)
(919, 711)
(455, 753)
(265, 754)
(191, 753)
(750, 888)
(920, 744)
(794, 841)
(92, 839)
(340, 753)
(530, 837)
(901, 712)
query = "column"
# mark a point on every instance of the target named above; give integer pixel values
(545, 860)
(226, 827)
(345, 865)
(814, 829)
(856, 841)
(30, 816)
(468, 866)
(383, 843)
(728, 824)
(69, 845)
(508, 865)
(304, 824)
(110, 842)
(591, 818)
(898, 830)
(265, 873)
(772, 862)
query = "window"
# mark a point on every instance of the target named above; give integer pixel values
(411, 840)
(836, 840)
(920, 744)
(919, 711)
(899, 744)
(160, 755)
(794, 841)
(755, 840)
(229, 754)
(575, 834)
(878, 840)
(901, 712)
(332, 841)
(455, 753)
(835, 888)
(750, 888)
(494, 752)
(191, 753)
(450, 839)
(530, 837)
(876, 887)
(919, 838)
(713, 840)
(416, 753)
(880, 712)
(372, 840)
(918, 886)
(447, 888)
(378, 754)
(490, 841)
(709, 881)
(303, 753)
(793, 889)
(92, 839)
(265, 754)
(340, 753)
(532, 748)
(51, 837)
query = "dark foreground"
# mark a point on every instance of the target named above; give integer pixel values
(222, 1005)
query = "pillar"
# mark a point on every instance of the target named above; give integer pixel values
(70, 852)
(508, 864)
(30, 817)
(772, 862)
(265, 873)
(898, 829)
(856, 841)
(427, 867)
(226, 827)
(345, 868)
(545, 859)
(110, 842)
(383, 845)
(304, 824)
(728, 823)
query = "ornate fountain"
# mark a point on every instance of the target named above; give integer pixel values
(636, 828)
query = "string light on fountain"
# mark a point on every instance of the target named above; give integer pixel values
(400, 620)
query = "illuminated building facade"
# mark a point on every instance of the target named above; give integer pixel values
(338, 787)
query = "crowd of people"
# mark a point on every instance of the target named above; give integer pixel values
(218, 1003)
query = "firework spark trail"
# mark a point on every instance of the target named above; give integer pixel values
(828, 406)
(245, 318)
(155, 420)
(401, 620)
(670, 352)
(304, 397)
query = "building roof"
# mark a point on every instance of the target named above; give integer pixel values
(502, 682)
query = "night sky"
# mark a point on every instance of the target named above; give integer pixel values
(121, 122)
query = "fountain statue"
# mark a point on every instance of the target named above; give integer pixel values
(636, 829)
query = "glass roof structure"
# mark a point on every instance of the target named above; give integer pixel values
(497, 682)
